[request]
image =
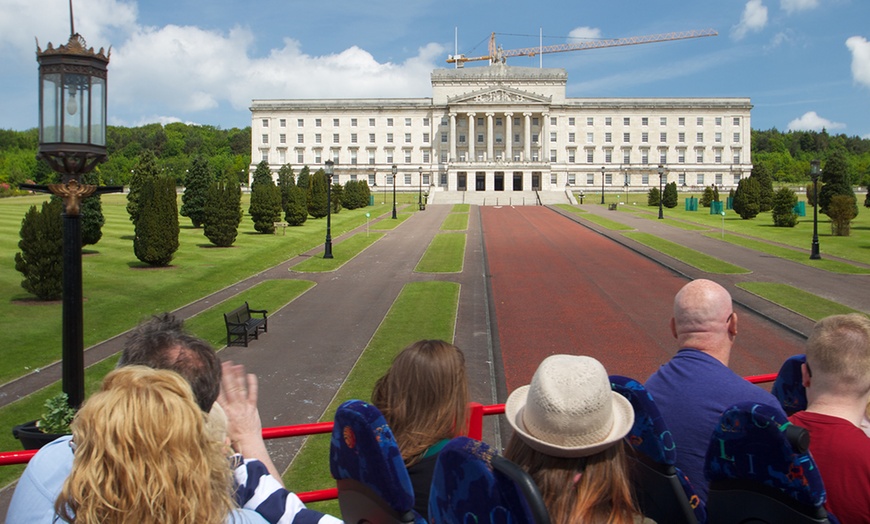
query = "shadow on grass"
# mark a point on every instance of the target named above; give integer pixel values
(208, 246)
(142, 265)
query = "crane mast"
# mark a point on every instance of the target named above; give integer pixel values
(497, 54)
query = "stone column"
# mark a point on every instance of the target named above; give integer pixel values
(471, 136)
(527, 142)
(489, 137)
(545, 139)
(452, 138)
(508, 136)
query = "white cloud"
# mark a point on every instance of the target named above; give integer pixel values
(585, 33)
(754, 19)
(811, 121)
(860, 48)
(793, 6)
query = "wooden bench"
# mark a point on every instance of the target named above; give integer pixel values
(241, 325)
(611, 207)
(282, 225)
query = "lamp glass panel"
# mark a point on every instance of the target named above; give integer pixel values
(98, 111)
(76, 107)
(49, 126)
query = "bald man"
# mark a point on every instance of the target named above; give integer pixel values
(696, 385)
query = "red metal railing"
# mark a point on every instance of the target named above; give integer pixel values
(475, 430)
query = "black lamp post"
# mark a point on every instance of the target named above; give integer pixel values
(395, 170)
(814, 173)
(72, 140)
(602, 184)
(327, 249)
(420, 195)
(661, 189)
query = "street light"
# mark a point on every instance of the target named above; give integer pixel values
(602, 184)
(420, 196)
(72, 140)
(327, 248)
(661, 189)
(395, 170)
(814, 173)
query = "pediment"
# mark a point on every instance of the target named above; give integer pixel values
(499, 95)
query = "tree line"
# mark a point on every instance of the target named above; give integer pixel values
(787, 156)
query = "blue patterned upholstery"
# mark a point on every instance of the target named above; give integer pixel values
(467, 488)
(363, 450)
(659, 484)
(756, 450)
(788, 387)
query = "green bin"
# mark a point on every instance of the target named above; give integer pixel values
(801, 209)
(371, 200)
(715, 208)
(729, 203)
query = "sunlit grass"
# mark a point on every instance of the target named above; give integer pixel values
(807, 304)
(444, 254)
(341, 253)
(689, 256)
(455, 222)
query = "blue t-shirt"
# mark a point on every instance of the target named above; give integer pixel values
(691, 391)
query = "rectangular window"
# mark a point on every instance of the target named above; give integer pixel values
(480, 138)
(663, 137)
(699, 156)
(626, 137)
(282, 156)
(425, 121)
(353, 122)
(517, 121)
(553, 120)
(283, 122)
(425, 156)
(408, 157)
(644, 137)
(699, 137)
(718, 120)
(480, 121)
(718, 138)
(736, 179)
(572, 179)
(371, 122)
(498, 122)
(626, 121)
(681, 137)
(663, 156)
(300, 156)
(535, 121)
(336, 138)
(389, 122)
(461, 139)
(644, 179)
(317, 138)
(389, 138)
(371, 138)
(718, 179)
(408, 122)
(534, 138)
(407, 179)
(353, 178)
(681, 121)
(552, 155)
(371, 180)
(736, 120)
(570, 138)
(353, 138)
(644, 121)
(265, 139)
(353, 157)
(737, 157)
(608, 179)
(681, 179)
(336, 122)
(626, 156)
(571, 120)
(663, 121)
(608, 121)
(717, 157)
(499, 138)
(516, 138)
(608, 156)
(443, 138)
(553, 136)
(571, 156)
(644, 156)
(371, 157)
(282, 138)
(608, 137)
(590, 138)
(700, 120)
(699, 179)
(389, 156)
(681, 156)
(407, 138)
(317, 122)
(736, 138)
(554, 179)
(425, 138)
(318, 159)
(590, 156)
(265, 122)
(590, 179)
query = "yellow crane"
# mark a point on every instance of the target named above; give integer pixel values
(497, 54)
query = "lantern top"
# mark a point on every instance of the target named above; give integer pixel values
(75, 46)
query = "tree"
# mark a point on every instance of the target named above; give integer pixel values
(223, 211)
(670, 196)
(336, 197)
(285, 180)
(715, 194)
(811, 194)
(317, 195)
(867, 198)
(355, 194)
(706, 197)
(145, 170)
(837, 181)
(196, 184)
(262, 175)
(841, 209)
(265, 207)
(41, 256)
(296, 211)
(746, 198)
(652, 197)
(304, 179)
(157, 230)
(784, 201)
(765, 186)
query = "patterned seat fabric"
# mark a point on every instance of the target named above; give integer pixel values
(650, 437)
(467, 488)
(788, 387)
(752, 443)
(363, 449)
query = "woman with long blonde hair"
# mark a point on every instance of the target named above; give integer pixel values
(568, 435)
(424, 399)
(142, 454)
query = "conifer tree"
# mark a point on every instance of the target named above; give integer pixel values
(746, 198)
(706, 197)
(262, 174)
(145, 170)
(837, 181)
(652, 197)
(91, 212)
(336, 197)
(223, 212)
(715, 193)
(296, 211)
(317, 195)
(285, 180)
(670, 196)
(41, 257)
(765, 186)
(196, 184)
(304, 179)
(157, 230)
(784, 201)
(265, 207)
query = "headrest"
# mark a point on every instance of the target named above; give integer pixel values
(788, 387)
(649, 434)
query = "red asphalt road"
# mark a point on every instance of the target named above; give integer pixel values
(558, 287)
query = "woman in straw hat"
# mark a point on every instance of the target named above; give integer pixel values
(568, 430)
(424, 399)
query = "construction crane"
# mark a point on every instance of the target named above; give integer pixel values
(498, 55)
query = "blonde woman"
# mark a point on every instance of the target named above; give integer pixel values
(142, 454)
(568, 435)
(424, 398)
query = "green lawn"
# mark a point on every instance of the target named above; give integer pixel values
(571, 209)
(423, 310)
(388, 223)
(607, 223)
(341, 253)
(788, 253)
(460, 208)
(455, 222)
(688, 256)
(445, 254)
(807, 304)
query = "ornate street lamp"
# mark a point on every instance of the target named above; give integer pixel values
(420, 195)
(602, 184)
(395, 170)
(327, 248)
(661, 189)
(72, 140)
(815, 171)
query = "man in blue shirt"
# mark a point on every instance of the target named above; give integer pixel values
(696, 385)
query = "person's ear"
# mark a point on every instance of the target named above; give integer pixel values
(732, 324)
(674, 327)
(806, 378)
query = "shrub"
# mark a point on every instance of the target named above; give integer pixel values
(285, 180)
(715, 194)
(223, 207)
(317, 195)
(296, 210)
(652, 197)
(145, 170)
(262, 174)
(841, 209)
(41, 256)
(58, 415)
(265, 207)
(157, 230)
(196, 185)
(706, 197)
(784, 201)
(670, 196)
(336, 197)
(746, 198)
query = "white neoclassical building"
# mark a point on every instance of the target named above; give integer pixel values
(500, 129)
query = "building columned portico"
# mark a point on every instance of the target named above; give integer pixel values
(502, 129)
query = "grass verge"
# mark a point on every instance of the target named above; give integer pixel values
(460, 208)
(801, 302)
(688, 256)
(423, 310)
(788, 253)
(455, 222)
(342, 253)
(571, 209)
(445, 254)
(607, 223)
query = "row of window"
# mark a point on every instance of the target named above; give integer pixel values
(682, 179)
(336, 122)
(644, 121)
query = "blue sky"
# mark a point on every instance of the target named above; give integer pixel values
(805, 64)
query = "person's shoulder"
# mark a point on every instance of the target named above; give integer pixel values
(41, 482)
(245, 516)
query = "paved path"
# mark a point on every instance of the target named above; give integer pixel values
(314, 341)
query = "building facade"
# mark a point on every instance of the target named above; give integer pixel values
(501, 128)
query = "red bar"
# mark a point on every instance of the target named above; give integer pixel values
(9, 458)
(299, 430)
(319, 495)
(760, 379)
(475, 420)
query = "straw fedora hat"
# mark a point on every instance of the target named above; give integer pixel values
(569, 409)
